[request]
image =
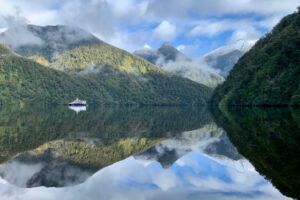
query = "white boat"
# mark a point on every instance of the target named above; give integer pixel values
(78, 102)
(77, 109)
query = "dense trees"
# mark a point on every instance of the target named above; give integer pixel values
(116, 81)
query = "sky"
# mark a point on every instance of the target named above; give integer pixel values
(195, 27)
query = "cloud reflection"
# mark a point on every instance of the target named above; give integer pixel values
(193, 176)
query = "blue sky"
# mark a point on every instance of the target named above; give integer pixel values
(193, 26)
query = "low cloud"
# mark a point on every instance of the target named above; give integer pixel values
(17, 33)
(92, 69)
(247, 34)
(19, 36)
(165, 31)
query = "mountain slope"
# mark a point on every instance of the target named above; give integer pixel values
(23, 80)
(268, 75)
(170, 59)
(225, 57)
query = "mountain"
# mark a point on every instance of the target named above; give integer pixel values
(170, 53)
(224, 58)
(73, 63)
(46, 42)
(70, 162)
(170, 59)
(163, 54)
(209, 139)
(268, 75)
(27, 125)
(54, 146)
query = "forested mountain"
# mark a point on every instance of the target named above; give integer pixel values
(268, 75)
(23, 80)
(87, 68)
(64, 148)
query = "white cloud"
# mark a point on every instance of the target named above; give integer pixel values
(193, 176)
(181, 47)
(269, 22)
(215, 27)
(147, 46)
(120, 21)
(165, 31)
(179, 8)
(245, 29)
(2, 30)
(210, 28)
(246, 34)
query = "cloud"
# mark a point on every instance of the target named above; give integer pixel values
(129, 24)
(128, 40)
(180, 9)
(18, 36)
(15, 19)
(245, 34)
(95, 17)
(193, 176)
(190, 47)
(18, 173)
(212, 28)
(247, 30)
(165, 31)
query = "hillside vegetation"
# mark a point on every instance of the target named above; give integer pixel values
(268, 75)
(74, 63)
(23, 80)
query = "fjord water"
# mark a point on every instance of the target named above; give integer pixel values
(149, 153)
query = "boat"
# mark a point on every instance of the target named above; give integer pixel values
(78, 102)
(78, 109)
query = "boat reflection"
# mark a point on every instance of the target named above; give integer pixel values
(77, 109)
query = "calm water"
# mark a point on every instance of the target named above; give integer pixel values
(149, 153)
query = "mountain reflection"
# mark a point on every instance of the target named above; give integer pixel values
(148, 153)
(57, 147)
(269, 138)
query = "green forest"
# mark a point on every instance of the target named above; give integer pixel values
(25, 81)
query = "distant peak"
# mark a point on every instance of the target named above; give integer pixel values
(167, 47)
(167, 44)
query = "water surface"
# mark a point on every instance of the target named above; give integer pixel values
(148, 153)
